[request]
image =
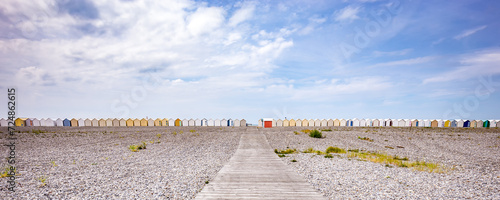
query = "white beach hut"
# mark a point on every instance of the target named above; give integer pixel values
(81, 122)
(317, 123)
(440, 123)
(336, 122)
(260, 123)
(376, 123)
(309, 122)
(109, 122)
(493, 123)
(185, 122)
(407, 123)
(59, 122)
(36, 122)
(401, 123)
(286, 122)
(279, 122)
(272, 122)
(210, 122)
(343, 122)
(204, 122)
(223, 122)
(362, 122)
(115, 122)
(217, 122)
(87, 122)
(50, 122)
(329, 122)
(191, 122)
(324, 122)
(95, 122)
(171, 122)
(237, 123)
(298, 122)
(3, 122)
(355, 122)
(123, 122)
(460, 123)
(197, 122)
(151, 122)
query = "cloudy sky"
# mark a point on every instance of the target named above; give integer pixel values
(251, 59)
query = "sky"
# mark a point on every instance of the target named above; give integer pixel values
(251, 59)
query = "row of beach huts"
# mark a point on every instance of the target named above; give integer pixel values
(269, 122)
(265, 122)
(124, 122)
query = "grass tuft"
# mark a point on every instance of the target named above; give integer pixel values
(365, 138)
(315, 134)
(335, 150)
(135, 148)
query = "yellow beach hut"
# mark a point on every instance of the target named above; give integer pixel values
(130, 122)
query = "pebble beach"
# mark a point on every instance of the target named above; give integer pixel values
(97, 162)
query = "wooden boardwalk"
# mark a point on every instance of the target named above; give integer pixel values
(256, 172)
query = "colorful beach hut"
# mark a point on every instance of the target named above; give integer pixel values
(178, 122)
(204, 122)
(144, 122)
(447, 123)
(305, 122)
(243, 122)
(130, 122)
(268, 122)
(453, 123)
(486, 124)
(293, 122)
(164, 122)
(73, 122)
(95, 122)
(137, 122)
(434, 123)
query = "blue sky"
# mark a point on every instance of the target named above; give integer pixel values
(252, 59)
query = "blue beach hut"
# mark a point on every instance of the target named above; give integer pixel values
(66, 122)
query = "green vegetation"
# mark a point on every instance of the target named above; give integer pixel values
(315, 134)
(192, 131)
(326, 130)
(328, 156)
(42, 180)
(296, 133)
(365, 138)
(206, 182)
(6, 172)
(38, 131)
(135, 148)
(397, 161)
(335, 150)
(287, 151)
(53, 163)
(158, 136)
(294, 160)
(307, 131)
(282, 153)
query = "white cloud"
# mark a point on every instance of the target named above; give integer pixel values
(469, 32)
(205, 20)
(412, 61)
(484, 63)
(392, 53)
(348, 13)
(243, 14)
